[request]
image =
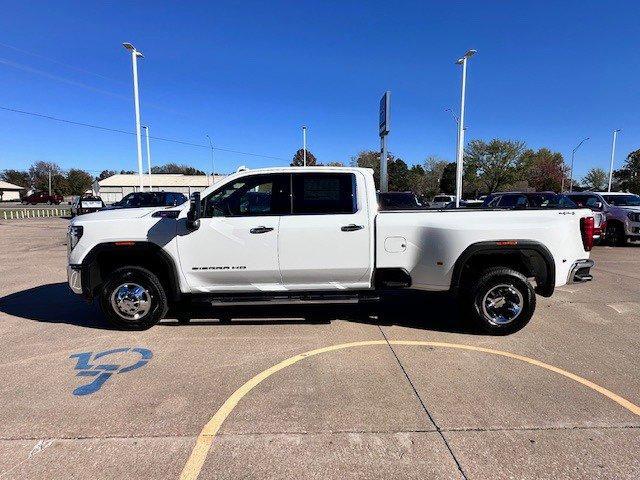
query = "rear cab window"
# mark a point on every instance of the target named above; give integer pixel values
(323, 193)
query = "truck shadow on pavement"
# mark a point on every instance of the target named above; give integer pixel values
(54, 303)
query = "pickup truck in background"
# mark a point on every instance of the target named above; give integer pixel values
(42, 197)
(621, 213)
(316, 234)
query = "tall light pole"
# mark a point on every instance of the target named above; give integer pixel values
(459, 164)
(457, 120)
(136, 100)
(304, 145)
(146, 131)
(213, 160)
(573, 153)
(613, 154)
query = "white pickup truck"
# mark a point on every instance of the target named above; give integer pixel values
(316, 234)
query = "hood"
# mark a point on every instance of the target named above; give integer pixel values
(118, 214)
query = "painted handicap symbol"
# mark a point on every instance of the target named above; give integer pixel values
(103, 371)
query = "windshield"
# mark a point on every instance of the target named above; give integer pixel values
(623, 200)
(442, 198)
(551, 200)
(151, 199)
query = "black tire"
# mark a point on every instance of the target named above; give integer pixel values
(489, 284)
(153, 291)
(615, 235)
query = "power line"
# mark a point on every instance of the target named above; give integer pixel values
(126, 132)
(58, 62)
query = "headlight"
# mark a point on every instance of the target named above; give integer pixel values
(634, 216)
(75, 234)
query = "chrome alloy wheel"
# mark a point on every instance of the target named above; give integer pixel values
(502, 304)
(131, 301)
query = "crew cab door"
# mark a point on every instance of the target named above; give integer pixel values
(236, 246)
(325, 244)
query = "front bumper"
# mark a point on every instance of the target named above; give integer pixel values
(74, 277)
(580, 271)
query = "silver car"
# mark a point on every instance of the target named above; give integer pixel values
(622, 211)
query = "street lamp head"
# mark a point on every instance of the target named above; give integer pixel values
(304, 127)
(467, 55)
(132, 49)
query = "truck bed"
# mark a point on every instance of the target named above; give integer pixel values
(427, 243)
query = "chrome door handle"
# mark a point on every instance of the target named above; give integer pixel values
(351, 228)
(260, 230)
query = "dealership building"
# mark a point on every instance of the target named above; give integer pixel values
(112, 189)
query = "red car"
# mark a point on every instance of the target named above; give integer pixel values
(41, 197)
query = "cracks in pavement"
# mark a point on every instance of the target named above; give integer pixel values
(333, 432)
(424, 407)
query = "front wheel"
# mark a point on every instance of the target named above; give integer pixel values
(502, 301)
(133, 298)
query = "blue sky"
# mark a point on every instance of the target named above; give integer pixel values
(250, 73)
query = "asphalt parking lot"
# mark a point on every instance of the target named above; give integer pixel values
(413, 394)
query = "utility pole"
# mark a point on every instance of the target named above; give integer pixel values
(304, 145)
(136, 100)
(49, 182)
(457, 120)
(459, 163)
(384, 124)
(146, 130)
(213, 160)
(613, 154)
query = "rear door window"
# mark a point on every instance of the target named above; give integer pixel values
(324, 193)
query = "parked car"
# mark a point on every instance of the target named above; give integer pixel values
(587, 200)
(398, 201)
(42, 197)
(622, 212)
(317, 237)
(149, 199)
(441, 201)
(86, 204)
(524, 200)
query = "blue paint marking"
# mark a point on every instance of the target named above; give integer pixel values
(103, 371)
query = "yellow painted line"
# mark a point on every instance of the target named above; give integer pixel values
(199, 453)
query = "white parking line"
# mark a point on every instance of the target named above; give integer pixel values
(625, 307)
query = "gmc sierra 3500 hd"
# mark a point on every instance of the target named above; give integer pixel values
(316, 234)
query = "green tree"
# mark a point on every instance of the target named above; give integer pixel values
(39, 178)
(448, 180)
(397, 169)
(78, 181)
(335, 164)
(298, 159)
(543, 170)
(16, 177)
(433, 169)
(368, 159)
(105, 174)
(492, 166)
(627, 179)
(596, 179)
(176, 169)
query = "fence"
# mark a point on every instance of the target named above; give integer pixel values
(15, 214)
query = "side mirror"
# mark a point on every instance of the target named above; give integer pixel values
(599, 205)
(195, 207)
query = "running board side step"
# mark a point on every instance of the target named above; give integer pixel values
(306, 298)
